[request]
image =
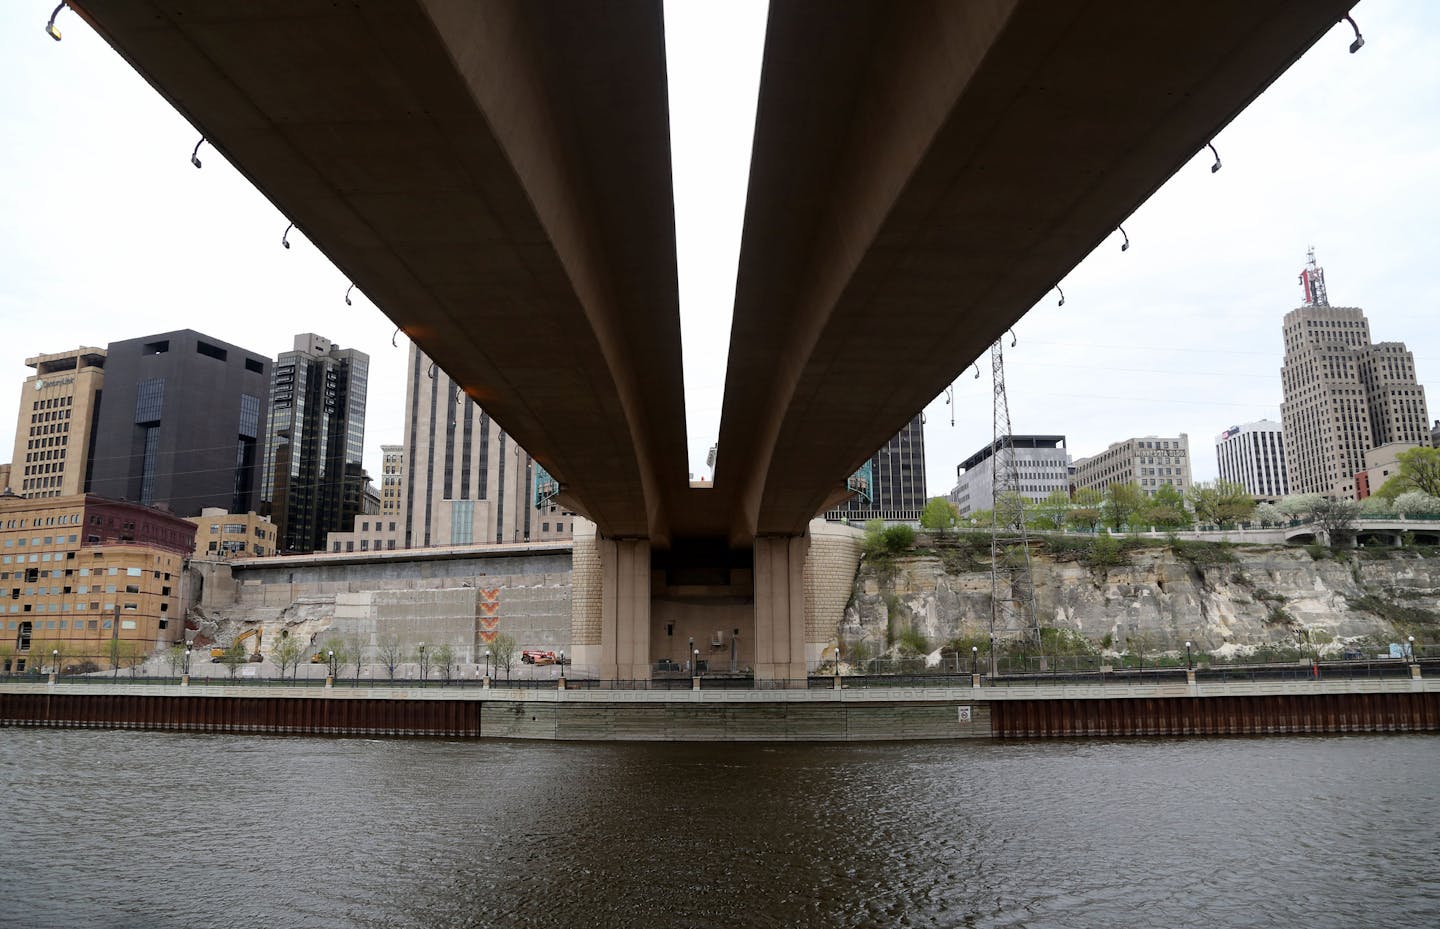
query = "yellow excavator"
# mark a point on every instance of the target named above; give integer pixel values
(218, 654)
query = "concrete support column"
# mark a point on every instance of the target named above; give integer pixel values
(780, 607)
(625, 609)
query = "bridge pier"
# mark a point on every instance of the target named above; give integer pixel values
(780, 607)
(624, 609)
(770, 611)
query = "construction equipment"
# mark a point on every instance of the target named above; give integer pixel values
(538, 656)
(218, 654)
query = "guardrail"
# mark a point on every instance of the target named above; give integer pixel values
(1364, 669)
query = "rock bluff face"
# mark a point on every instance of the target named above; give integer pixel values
(1225, 601)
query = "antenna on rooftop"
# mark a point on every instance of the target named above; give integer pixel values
(1312, 281)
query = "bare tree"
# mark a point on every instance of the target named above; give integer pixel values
(287, 654)
(391, 652)
(355, 647)
(502, 650)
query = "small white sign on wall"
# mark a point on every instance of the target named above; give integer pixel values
(964, 713)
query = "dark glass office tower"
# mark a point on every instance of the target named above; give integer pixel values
(315, 442)
(180, 423)
(897, 474)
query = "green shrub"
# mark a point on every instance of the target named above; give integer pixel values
(899, 538)
(913, 642)
(1105, 551)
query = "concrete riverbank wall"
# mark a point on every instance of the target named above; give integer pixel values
(790, 716)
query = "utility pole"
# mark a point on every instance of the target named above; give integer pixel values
(1012, 586)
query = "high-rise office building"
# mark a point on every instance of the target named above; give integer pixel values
(897, 478)
(1253, 456)
(56, 422)
(1344, 395)
(181, 424)
(1149, 461)
(1042, 462)
(464, 480)
(313, 481)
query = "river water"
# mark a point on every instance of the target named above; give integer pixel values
(156, 830)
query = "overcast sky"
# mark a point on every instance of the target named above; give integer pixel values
(108, 233)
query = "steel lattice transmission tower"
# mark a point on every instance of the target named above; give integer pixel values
(1012, 586)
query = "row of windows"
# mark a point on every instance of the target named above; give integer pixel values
(65, 519)
(52, 403)
(78, 608)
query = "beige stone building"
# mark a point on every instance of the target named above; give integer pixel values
(52, 429)
(1343, 397)
(80, 572)
(1148, 461)
(461, 479)
(392, 472)
(222, 534)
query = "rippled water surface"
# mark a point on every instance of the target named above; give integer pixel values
(129, 829)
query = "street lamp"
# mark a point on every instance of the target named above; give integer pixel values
(487, 663)
(694, 669)
(187, 662)
(974, 660)
(423, 669)
(697, 662)
(1188, 665)
(55, 658)
(562, 662)
(330, 654)
(1412, 648)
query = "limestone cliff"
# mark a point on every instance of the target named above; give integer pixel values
(1222, 599)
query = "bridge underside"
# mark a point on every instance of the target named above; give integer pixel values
(496, 178)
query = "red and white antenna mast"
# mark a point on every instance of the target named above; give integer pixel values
(1312, 281)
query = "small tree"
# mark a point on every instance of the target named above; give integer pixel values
(422, 658)
(1268, 514)
(115, 649)
(1373, 506)
(7, 657)
(1417, 503)
(175, 658)
(287, 654)
(1419, 470)
(1301, 506)
(1337, 519)
(939, 514)
(341, 649)
(355, 647)
(1223, 503)
(1122, 503)
(1050, 513)
(1086, 513)
(391, 653)
(445, 661)
(1166, 509)
(55, 653)
(133, 654)
(233, 657)
(502, 652)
